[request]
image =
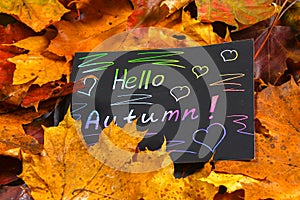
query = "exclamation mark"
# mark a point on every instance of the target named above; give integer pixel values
(213, 104)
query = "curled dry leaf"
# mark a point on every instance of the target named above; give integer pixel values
(37, 14)
(52, 89)
(15, 94)
(277, 162)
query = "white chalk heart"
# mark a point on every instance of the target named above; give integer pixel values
(88, 90)
(229, 55)
(180, 92)
(200, 71)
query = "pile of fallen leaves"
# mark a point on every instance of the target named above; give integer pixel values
(40, 159)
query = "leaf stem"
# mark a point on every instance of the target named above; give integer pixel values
(270, 30)
(288, 7)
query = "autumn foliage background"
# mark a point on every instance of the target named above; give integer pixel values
(40, 159)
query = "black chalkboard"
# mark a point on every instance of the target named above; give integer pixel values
(199, 98)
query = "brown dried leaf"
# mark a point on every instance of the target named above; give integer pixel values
(271, 62)
(14, 94)
(12, 134)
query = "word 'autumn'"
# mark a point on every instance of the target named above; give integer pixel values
(145, 118)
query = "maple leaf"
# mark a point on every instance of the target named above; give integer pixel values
(276, 165)
(33, 44)
(58, 172)
(271, 62)
(102, 19)
(37, 14)
(277, 55)
(235, 12)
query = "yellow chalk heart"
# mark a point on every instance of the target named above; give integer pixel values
(200, 71)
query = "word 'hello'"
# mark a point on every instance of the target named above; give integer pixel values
(142, 82)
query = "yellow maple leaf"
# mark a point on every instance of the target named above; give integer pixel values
(37, 14)
(68, 169)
